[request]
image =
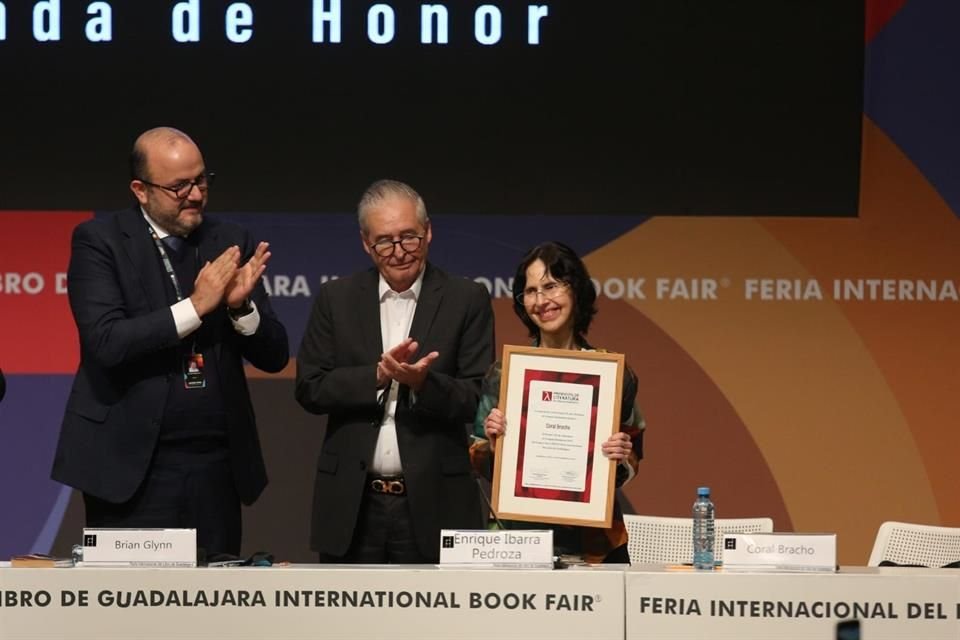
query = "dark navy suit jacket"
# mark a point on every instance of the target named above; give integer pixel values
(129, 356)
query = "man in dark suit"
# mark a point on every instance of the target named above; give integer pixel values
(159, 430)
(394, 356)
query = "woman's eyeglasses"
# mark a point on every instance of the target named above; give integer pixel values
(549, 291)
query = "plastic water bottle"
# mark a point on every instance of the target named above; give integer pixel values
(703, 517)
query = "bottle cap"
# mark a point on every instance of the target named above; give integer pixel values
(703, 491)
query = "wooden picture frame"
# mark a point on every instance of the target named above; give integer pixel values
(560, 406)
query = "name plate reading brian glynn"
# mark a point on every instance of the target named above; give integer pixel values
(506, 548)
(139, 547)
(780, 551)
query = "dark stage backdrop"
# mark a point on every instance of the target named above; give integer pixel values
(590, 122)
(558, 107)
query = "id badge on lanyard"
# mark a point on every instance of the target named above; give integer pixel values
(193, 376)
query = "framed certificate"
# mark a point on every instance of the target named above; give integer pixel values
(560, 406)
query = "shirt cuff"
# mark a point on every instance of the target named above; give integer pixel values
(185, 318)
(247, 325)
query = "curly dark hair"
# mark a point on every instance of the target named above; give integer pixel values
(565, 266)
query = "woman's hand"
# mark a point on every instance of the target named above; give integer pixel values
(617, 446)
(494, 425)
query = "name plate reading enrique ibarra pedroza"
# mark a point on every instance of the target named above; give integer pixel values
(506, 548)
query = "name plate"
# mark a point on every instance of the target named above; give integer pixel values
(139, 547)
(780, 551)
(507, 548)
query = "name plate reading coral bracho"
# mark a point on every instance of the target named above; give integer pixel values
(780, 551)
(139, 547)
(508, 548)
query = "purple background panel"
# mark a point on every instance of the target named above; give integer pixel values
(33, 504)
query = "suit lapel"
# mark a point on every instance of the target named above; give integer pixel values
(368, 314)
(142, 253)
(427, 306)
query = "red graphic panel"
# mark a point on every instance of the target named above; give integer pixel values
(593, 381)
(37, 334)
(878, 14)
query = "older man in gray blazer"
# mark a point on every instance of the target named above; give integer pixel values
(394, 356)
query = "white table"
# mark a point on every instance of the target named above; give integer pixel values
(312, 601)
(400, 602)
(894, 603)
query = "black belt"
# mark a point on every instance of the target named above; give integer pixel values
(392, 485)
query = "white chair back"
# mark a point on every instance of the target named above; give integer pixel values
(666, 540)
(906, 543)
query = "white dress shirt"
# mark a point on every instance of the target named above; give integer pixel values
(396, 316)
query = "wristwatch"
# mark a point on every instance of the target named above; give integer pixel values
(243, 310)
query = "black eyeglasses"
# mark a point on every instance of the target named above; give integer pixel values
(386, 247)
(181, 190)
(549, 290)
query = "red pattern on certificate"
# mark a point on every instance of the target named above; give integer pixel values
(593, 381)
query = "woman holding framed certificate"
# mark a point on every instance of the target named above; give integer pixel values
(555, 298)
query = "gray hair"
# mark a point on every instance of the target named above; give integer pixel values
(384, 189)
